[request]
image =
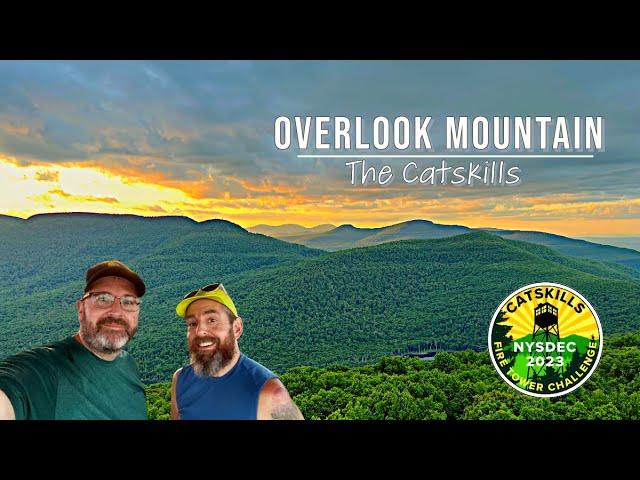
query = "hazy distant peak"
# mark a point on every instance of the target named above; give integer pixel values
(417, 221)
(284, 225)
(346, 226)
(222, 222)
(324, 226)
(289, 230)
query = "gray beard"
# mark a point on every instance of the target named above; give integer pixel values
(102, 342)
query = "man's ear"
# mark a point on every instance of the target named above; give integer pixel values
(238, 327)
(79, 307)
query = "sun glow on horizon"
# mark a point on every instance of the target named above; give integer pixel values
(71, 187)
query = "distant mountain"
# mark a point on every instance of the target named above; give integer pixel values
(624, 242)
(300, 306)
(574, 247)
(333, 239)
(289, 229)
(44, 260)
(348, 236)
(49, 249)
(356, 305)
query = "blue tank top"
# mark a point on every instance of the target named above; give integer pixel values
(234, 396)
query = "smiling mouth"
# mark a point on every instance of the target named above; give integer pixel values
(207, 344)
(114, 325)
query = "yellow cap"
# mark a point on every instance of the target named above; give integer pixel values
(219, 295)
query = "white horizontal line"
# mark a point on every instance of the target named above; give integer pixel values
(448, 156)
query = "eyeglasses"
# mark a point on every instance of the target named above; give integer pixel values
(129, 303)
(207, 288)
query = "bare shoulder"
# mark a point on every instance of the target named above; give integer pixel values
(176, 374)
(175, 412)
(275, 389)
(6, 409)
(275, 403)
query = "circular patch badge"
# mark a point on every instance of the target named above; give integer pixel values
(545, 340)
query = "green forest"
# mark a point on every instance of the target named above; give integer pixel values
(300, 306)
(454, 385)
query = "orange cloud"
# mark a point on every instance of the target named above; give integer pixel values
(266, 186)
(134, 188)
(78, 198)
(151, 209)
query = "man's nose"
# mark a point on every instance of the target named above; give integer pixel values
(201, 330)
(116, 307)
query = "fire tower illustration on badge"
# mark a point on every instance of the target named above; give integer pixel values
(545, 329)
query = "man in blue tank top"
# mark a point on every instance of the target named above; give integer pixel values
(221, 383)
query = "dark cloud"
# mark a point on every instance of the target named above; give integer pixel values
(215, 119)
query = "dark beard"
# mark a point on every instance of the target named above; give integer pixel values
(208, 364)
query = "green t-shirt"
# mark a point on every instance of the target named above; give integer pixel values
(64, 380)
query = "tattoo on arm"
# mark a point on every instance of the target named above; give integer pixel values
(276, 403)
(286, 411)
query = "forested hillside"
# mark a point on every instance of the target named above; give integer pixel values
(300, 306)
(44, 260)
(460, 385)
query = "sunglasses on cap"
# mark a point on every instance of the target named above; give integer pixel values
(207, 288)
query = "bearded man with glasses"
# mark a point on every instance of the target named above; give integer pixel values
(87, 375)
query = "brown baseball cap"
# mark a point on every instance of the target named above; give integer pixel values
(114, 268)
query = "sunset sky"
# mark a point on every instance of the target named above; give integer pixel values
(196, 139)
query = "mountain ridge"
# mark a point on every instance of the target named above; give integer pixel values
(347, 236)
(300, 306)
